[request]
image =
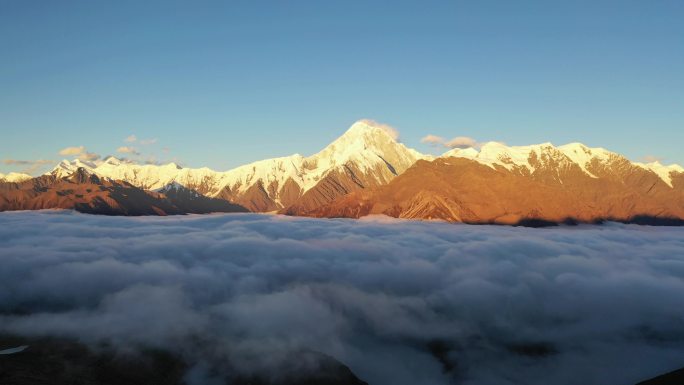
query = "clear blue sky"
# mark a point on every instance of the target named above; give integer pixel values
(220, 84)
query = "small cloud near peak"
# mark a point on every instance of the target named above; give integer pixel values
(457, 142)
(433, 140)
(80, 153)
(29, 166)
(145, 142)
(652, 159)
(72, 150)
(391, 131)
(127, 150)
(461, 142)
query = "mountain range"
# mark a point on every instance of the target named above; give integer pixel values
(368, 171)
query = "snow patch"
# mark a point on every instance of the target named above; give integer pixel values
(663, 171)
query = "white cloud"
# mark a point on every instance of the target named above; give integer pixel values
(72, 151)
(127, 150)
(79, 152)
(29, 166)
(135, 150)
(457, 142)
(652, 158)
(462, 304)
(145, 142)
(461, 142)
(16, 162)
(433, 140)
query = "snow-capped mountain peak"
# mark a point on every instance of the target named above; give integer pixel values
(14, 177)
(366, 128)
(67, 167)
(663, 171)
(368, 144)
(113, 161)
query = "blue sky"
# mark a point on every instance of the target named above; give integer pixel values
(219, 84)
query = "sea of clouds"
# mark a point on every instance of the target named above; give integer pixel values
(399, 302)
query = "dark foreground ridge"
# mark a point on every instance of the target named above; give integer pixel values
(672, 378)
(57, 361)
(646, 220)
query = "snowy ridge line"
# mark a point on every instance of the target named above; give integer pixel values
(495, 153)
(366, 144)
(14, 177)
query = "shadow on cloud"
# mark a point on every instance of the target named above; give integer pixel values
(399, 302)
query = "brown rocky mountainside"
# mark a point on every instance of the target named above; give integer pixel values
(464, 190)
(88, 193)
(339, 183)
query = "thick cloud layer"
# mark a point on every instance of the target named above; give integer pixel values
(398, 302)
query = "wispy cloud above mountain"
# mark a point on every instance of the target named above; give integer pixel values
(127, 150)
(79, 152)
(399, 302)
(28, 166)
(391, 131)
(144, 142)
(456, 142)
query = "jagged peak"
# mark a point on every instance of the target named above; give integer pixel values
(114, 161)
(178, 188)
(82, 175)
(368, 144)
(67, 167)
(171, 186)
